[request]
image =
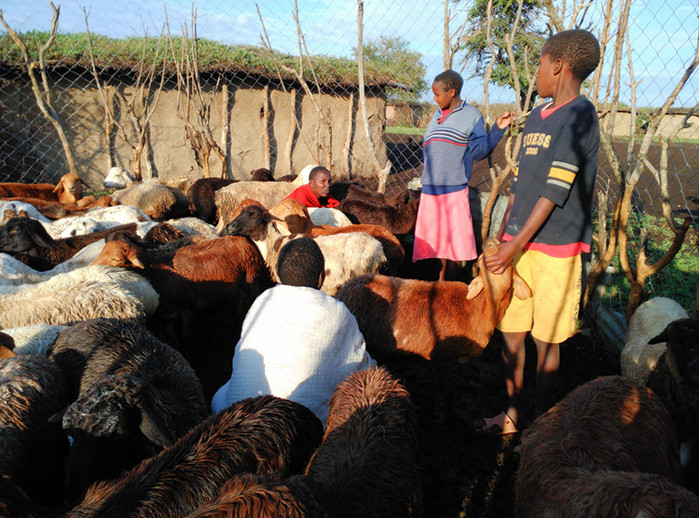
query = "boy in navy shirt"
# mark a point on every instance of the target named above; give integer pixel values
(548, 222)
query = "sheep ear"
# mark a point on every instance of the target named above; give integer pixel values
(136, 262)
(58, 416)
(662, 337)
(6, 352)
(522, 289)
(153, 427)
(41, 238)
(475, 287)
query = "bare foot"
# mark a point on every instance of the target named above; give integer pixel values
(501, 424)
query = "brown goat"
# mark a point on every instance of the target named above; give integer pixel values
(397, 217)
(68, 190)
(205, 292)
(607, 450)
(201, 197)
(346, 190)
(434, 320)
(260, 435)
(295, 216)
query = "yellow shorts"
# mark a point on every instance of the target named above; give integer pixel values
(551, 314)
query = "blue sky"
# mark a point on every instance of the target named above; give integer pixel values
(663, 32)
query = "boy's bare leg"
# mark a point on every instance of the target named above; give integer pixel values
(514, 355)
(548, 360)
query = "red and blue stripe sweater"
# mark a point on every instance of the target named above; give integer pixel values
(450, 147)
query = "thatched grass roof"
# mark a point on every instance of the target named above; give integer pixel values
(128, 54)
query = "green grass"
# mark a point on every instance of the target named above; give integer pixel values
(678, 280)
(405, 130)
(640, 136)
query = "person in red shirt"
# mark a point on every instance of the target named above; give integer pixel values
(316, 193)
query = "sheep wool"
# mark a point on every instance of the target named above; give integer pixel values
(89, 292)
(639, 358)
(34, 339)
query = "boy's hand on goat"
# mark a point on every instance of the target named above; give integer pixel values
(502, 258)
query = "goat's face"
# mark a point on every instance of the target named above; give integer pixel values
(69, 188)
(119, 253)
(251, 222)
(497, 284)
(23, 235)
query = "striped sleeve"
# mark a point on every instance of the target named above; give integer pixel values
(559, 182)
(570, 145)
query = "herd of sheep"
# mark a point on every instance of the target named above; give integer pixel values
(118, 320)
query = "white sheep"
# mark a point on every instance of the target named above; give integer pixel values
(13, 208)
(157, 200)
(193, 227)
(79, 227)
(118, 178)
(94, 220)
(81, 294)
(118, 215)
(34, 339)
(268, 194)
(328, 216)
(639, 358)
(346, 255)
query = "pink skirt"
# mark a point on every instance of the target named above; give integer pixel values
(444, 228)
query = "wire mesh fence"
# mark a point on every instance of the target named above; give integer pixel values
(126, 97)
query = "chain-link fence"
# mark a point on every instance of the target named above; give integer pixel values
(248, 108)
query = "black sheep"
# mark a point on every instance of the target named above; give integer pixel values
(675, 379)
(607, 450)
(27, 240)
(131, 394)
(33, 450)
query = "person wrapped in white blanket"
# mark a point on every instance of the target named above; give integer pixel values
(297, 342)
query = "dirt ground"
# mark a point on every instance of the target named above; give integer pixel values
(467, 475)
